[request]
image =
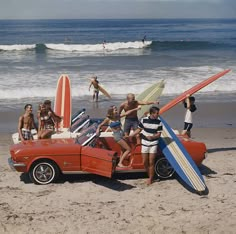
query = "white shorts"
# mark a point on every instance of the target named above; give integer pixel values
(149, 149)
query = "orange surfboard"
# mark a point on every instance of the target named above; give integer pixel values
(192, 90)
(62, 106)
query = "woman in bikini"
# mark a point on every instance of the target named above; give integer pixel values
(113, 120)
(46, 122)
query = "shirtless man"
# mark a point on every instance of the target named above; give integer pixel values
(26, 123)
(94, 82)
(131, 120)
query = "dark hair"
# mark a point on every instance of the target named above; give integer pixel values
(192, 99)
(153, 109)
(47, 102)
(27, 105)
(192, 106)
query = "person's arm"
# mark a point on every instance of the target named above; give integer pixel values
(147, 103)
(20, 125)
(187, 102)
(56, 118)
(130, 111)
(154, 136)
(39, 122)
(91, 83)
(105, 121)
(34, 124)
(121, 108)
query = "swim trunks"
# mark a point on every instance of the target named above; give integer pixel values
(130, 123)
(26, 134)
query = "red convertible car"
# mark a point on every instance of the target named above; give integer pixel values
(45, 160)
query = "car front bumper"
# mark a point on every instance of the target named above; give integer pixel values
(14, 165)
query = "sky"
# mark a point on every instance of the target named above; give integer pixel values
(116, 9)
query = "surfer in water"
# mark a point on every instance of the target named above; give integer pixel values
(131, 120)
(94, 82)
(26, 123)
(150, 129)
(104, 45)
(144, 39)
(189, 104)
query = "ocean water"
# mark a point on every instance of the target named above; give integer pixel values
(34, 53)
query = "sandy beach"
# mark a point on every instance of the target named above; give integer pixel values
(124, 204)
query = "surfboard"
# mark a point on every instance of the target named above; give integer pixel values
(192, 90)
(151, 94)
(180, 159)
(87, 135)
(82, 122)
(101, 89)
(77, 115)
(104, 91)
(62, 105)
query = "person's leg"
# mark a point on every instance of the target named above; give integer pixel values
(146, 162)
(96, 96)
(125, 153)
(127, 127)
(135, 126)
(93, 96)
(184, 132)
(151, 173)
(187, 129)
(46, 134)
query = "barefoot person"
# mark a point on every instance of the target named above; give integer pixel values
(94, 82)
(113, 120)
(150, 129)
(26, 123)
(131, 119)
(188, 119)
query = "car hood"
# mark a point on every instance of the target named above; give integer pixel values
(46, 147)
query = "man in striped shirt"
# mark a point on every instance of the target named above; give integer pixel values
(150, 129)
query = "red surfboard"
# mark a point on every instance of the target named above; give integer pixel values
(62, 106)
(192, 90)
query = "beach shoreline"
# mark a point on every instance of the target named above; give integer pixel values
(213, 114)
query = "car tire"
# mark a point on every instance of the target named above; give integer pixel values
(163, 168)
(44, 172)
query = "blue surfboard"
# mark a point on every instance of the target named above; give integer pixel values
(180, 159)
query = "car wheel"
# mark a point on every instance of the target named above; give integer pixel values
(163, 168)
(43, 172)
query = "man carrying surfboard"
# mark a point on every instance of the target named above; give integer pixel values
(150, 129)
(94, 82)
(131, 120)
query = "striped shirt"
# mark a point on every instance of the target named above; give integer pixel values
(149, 128)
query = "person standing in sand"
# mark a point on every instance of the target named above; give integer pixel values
(94, 82)
(131, 120)
(150, 129)
(188, 119)
(26, 123)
